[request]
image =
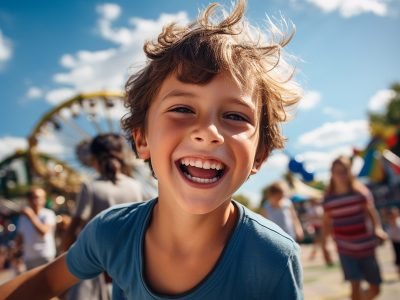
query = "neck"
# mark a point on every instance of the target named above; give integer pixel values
(176, 231)
(342, 189)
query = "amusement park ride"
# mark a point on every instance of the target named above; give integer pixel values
(58, 155)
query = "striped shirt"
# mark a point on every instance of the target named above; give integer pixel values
(350, 229)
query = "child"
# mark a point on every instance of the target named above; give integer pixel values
(348, 211)
(205, 113)
(280, 210)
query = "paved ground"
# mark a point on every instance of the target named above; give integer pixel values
(326, 283)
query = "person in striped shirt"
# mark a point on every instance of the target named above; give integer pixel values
(352, 220)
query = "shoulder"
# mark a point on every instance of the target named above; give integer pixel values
(47, 212)
(122, 216)
(272, 256)
(108, 226)
(266, 234)
(287, 202)
(125, 178)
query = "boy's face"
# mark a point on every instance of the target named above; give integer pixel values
(202, 141)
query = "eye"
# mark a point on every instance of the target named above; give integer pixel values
(236, 117)
(181, 109)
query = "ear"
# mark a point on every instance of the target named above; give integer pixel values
(142, 147)
(256, 166)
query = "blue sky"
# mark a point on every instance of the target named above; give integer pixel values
(348, 50)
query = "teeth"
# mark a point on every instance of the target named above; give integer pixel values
(201, 180)
(204, 164)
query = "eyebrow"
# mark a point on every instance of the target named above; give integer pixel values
(180, 93)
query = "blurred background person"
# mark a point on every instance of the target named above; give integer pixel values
(313, 219)
(392, 218)
(111, 186)
(352, 220)
(280, 210)
(36, 230)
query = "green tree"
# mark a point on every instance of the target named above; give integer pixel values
(393, 108)
(390, 116)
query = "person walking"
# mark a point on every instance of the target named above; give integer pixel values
(352, 220)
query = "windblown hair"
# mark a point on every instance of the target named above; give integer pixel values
(207, 47)
(346, 163)
(108, 150)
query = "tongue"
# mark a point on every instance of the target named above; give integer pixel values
(202, 173)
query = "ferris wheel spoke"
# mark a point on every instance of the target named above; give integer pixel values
(74, 127)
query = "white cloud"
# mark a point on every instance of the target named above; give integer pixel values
(141, 28)
(321, 160)
(5, 48)
(10, 144)
(333, 112)
(109, 11)
(350, 8)
(88, 71)
(336, 133)
(380, 100)
(309, 100)
(58, 96)
(34, 92)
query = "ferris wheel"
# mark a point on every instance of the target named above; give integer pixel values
(65, 133)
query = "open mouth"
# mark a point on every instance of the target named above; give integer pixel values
(202, 170)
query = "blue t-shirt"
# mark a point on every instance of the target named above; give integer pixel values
(260, 261)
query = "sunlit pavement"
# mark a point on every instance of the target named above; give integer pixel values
(326, 283)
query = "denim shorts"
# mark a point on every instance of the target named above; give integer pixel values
(357, 269)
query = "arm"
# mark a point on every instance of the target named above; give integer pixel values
(372, 213)
(326, 232)
(71, 233)
(376, 223)
(41, 228)
(298, 229)
(43, 282)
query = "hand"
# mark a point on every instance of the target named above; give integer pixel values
(299, 234)
(381, 235)
(27, 211)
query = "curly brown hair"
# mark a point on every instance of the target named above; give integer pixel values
(207, 47)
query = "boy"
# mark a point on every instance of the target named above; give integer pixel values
(205, 114)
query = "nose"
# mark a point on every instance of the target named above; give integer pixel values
(208, 134)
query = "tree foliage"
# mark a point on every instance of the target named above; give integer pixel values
(390, 117)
